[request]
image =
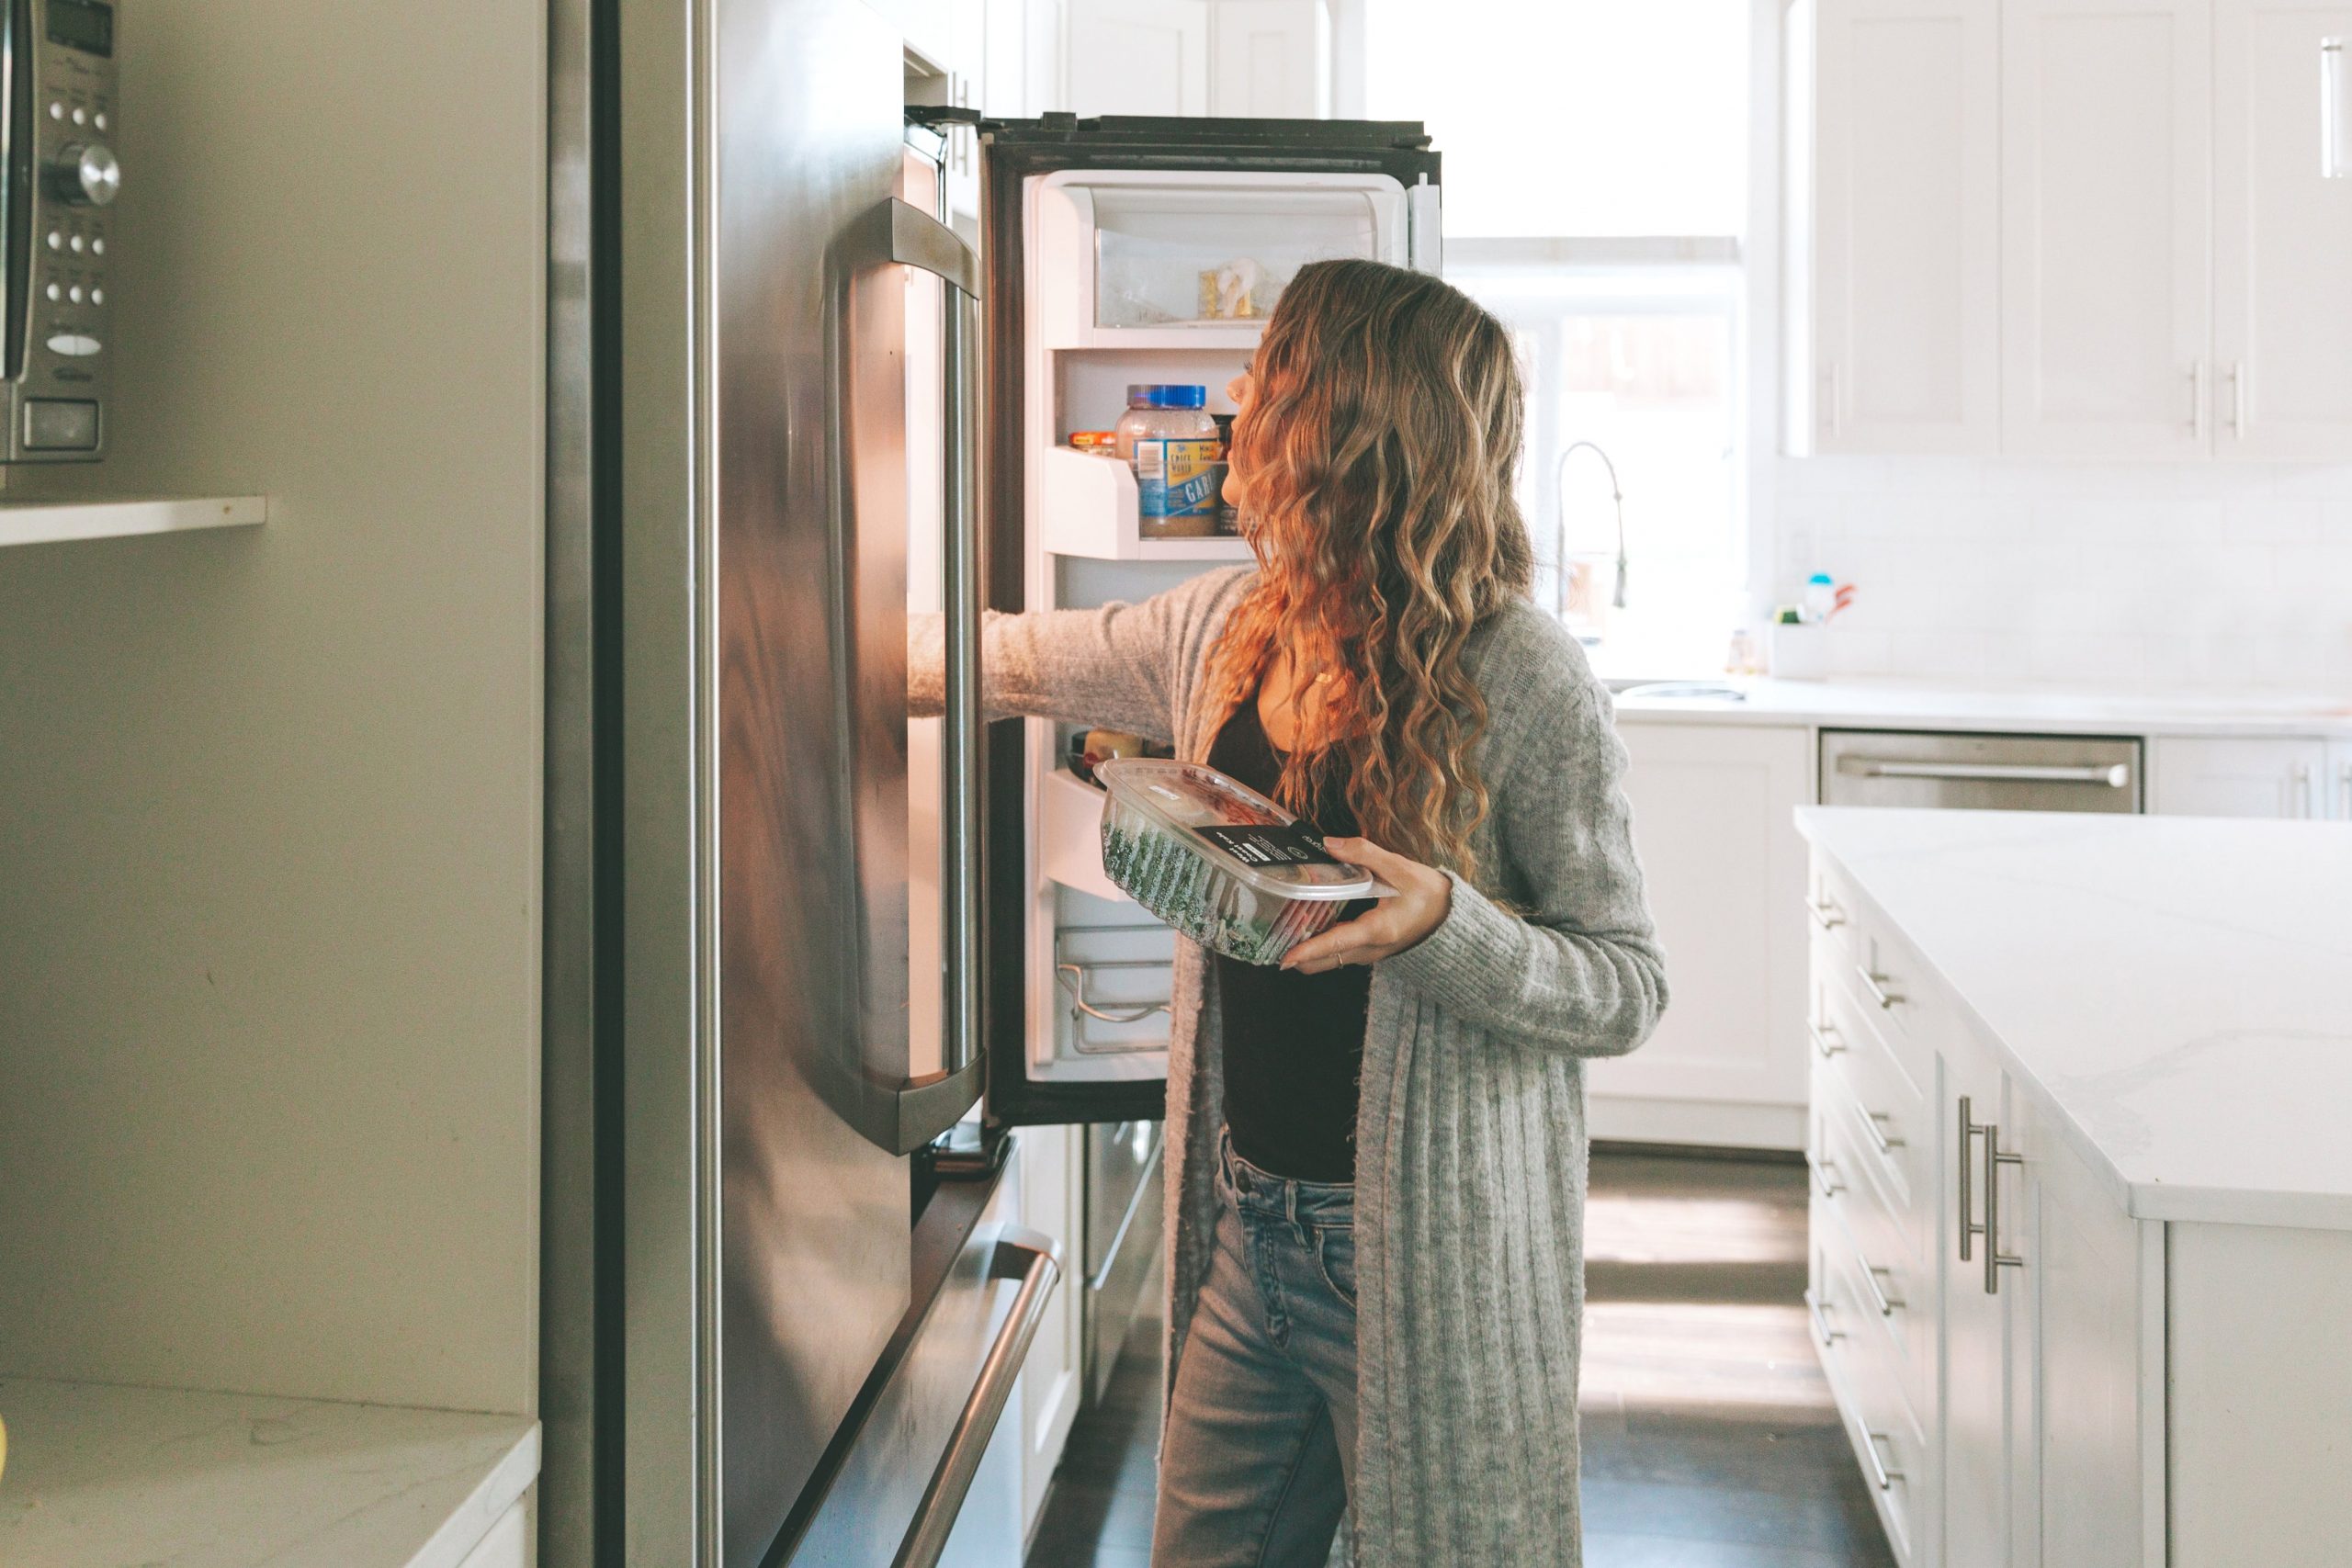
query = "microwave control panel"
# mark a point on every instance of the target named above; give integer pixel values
(61, 180)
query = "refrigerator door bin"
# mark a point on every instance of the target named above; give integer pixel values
(1180, 257)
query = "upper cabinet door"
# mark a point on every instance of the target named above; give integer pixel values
(1904, 214)
(1139, 57)
(1271, 60)
(2107, 136)
(2282, 331)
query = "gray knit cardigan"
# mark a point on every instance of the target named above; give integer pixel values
(1470, 1138)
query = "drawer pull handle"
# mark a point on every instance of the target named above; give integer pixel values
(1887, 1305)
(1876, 984)
(1880, 1472)
(1879, 1139)
(1968, 1229)
(1822, 1331)
(1823, 1170)
(1825, 914)
(1825, 1039)
(1995, 1259)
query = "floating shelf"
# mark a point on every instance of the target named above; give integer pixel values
(1069, 834)
(1089, 506)
(49, 522)
(100, 1474)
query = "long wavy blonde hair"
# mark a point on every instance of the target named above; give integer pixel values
(1378, 455)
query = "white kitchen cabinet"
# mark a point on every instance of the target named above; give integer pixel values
(1977, 1460)
(1025, 68)
(1894, 180)
(2106, 136)
(2084, 1305)
(2339, 779)
(2240, 777)
(1725, 870)
(2282, 327)
(1269, 58)
(1148, 57)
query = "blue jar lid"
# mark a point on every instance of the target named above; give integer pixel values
(1141, 397)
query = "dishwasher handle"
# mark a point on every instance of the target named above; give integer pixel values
(2114, 775)
(1035, 1259)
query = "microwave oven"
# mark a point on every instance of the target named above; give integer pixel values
(58, 181)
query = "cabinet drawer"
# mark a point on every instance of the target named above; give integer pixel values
(1890, 985)
(1892, 1288)
(1889, 1442)
(1886, 1113)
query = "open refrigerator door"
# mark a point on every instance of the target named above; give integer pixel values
(1121, 252)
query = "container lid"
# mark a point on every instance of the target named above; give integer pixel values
(1167, 397)
(1235, 829)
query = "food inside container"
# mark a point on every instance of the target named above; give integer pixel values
(1219, 862)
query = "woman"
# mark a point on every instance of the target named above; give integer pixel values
(1376, 1153)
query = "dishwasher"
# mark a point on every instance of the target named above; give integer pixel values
(1980, 773)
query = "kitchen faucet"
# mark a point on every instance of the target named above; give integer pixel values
(1616, 496)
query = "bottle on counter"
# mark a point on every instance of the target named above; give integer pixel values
(1170, 441)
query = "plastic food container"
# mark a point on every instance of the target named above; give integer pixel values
(1219, 862)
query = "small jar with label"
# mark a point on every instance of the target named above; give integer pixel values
(1169, 438)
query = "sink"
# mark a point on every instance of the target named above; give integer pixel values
(1680, 691)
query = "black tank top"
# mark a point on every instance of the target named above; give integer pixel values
(1293, 1043)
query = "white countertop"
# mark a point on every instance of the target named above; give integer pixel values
(99, 1477)
(2176, 990)
(1884, 705)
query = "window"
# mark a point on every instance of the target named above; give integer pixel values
(1594, 188)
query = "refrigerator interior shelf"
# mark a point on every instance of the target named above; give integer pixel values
(1088, 506)
(1242, 335)
(1069, 835)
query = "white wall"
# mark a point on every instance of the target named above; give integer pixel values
(2216, 575)
(269, 799)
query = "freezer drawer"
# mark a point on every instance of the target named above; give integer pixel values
(1980, 773)
(1124, 1223)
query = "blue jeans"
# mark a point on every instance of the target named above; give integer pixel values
(1259, 1452)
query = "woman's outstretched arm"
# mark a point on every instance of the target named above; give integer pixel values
(1120, 667)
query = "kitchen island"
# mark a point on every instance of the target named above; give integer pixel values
(2081, 1260)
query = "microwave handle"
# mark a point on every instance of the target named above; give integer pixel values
(905, 1117)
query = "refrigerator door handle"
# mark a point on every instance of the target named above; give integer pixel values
(1035, 1259)
(904, 1118)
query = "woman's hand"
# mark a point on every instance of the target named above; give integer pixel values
(1424, 897)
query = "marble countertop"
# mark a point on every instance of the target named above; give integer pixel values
(1888, 705)
(2177, 990)
(99, 1476)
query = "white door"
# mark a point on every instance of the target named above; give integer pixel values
(1976, 1361)
(1139, 57)
(1905, 169)
(2106, 141)
(2197, 776)
(2087, 1347)
(2339, 779)
(1713, 821)
(2283, 296)
(1271, 60)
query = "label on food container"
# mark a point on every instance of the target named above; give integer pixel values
(1293, 843)
(1180, 477)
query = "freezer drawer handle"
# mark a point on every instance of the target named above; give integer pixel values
(2114, 775)
(1035, 1260)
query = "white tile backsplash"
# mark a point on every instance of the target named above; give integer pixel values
(2211, 575)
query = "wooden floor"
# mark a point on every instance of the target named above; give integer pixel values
(1710, 1440)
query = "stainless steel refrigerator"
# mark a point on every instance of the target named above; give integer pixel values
(792, 931)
